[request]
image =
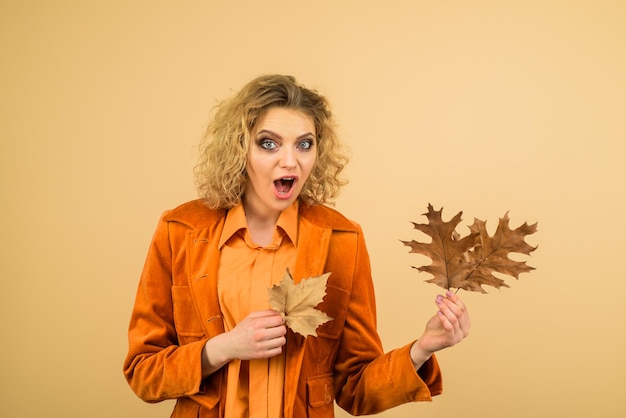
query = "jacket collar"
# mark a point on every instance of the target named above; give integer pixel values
(196, 215)
(236, 220)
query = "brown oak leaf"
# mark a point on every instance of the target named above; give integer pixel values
(491, 253)
(468, 263)
(297, 302)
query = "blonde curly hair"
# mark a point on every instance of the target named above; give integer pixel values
(221, 172)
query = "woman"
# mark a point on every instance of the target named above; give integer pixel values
(201, 330)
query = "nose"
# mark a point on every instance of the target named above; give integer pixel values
(288, 158)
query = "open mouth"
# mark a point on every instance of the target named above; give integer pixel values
(284, 185)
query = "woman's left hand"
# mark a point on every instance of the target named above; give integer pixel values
(449, 326)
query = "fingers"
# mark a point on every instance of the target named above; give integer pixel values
(454, 316)
(260, 335)
(268, 323)
(269, 347)
(454, 298)
(461, 312)
(269, 342)
(268, 313)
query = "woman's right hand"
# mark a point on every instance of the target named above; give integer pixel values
(260, 335)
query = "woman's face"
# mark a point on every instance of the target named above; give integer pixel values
(281, 156)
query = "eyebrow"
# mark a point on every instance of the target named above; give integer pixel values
(303, 136)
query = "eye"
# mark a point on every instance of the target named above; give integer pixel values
(306, 144)
(267, 143)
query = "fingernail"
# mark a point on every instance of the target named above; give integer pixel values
(449, 293)
(439, 299)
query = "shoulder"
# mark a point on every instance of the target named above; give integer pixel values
(194, 214)
(327, 217)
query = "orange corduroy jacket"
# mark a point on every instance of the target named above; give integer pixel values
(177, 310)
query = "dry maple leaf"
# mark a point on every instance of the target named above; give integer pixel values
(297, 301)
(468, 263)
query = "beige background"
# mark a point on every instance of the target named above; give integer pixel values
(481, 106)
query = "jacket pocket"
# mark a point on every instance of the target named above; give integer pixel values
(320, 396)
(335, 305)
(186, 319)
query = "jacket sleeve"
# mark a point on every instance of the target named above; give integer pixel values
(156, 366)
(367, 380)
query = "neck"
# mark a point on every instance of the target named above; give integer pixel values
(260, 219)
(261, 226)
